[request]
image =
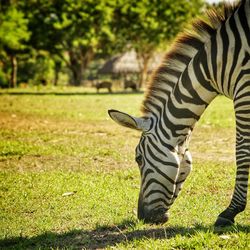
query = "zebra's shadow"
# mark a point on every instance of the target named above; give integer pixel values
(108, 236)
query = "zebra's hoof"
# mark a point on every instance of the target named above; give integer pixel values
(223, 222)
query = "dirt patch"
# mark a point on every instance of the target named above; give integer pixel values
(96, 145)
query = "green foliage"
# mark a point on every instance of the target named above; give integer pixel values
(13, 35)
(3, 80)
(13, 30)
(146, 24)
(35, 69)
(87, 23)
(75, 32)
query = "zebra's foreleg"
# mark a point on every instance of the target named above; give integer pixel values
(239, 198)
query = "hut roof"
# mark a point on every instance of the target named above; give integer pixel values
(127, 63)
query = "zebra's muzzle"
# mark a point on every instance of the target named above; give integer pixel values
(156, 216)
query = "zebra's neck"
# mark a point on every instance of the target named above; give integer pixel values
(181, 96)
(193, 73)
(186, 103)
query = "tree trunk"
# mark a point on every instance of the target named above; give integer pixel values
(57, 68)
(143, 65)
(76, 74)
(13, 76)
(79, 60)
(56, 76)
(75, 68)
(144, 72)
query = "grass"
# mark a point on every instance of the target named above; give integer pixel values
(69, 181)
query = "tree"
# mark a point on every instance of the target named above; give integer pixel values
(13, 35)
(147, 24)
(72, 30)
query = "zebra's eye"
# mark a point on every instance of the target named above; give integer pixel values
(138, 159)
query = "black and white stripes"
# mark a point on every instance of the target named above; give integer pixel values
(212, 59)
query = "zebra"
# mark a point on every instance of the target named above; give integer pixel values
(210, 60)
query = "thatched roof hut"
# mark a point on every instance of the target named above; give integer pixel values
(127, 63)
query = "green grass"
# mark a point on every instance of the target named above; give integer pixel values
(54, 144)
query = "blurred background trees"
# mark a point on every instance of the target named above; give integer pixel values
(150, 24)
(39, 39)
(13, 35)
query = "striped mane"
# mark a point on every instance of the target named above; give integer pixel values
(183, 50)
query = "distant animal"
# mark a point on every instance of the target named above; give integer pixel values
(104, 85)
(211, 60)
(130, 84)
(43, 81)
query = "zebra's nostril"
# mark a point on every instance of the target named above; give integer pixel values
(158, 216)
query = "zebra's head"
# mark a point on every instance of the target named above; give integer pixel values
(161, 168)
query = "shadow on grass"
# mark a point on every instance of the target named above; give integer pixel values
(107, 236)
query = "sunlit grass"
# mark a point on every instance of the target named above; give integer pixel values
(94, 107)
(68, 178)
(80, 107)
(220, 113)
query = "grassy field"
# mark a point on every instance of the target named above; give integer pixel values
(69, 181)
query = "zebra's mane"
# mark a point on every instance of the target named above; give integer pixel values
(183, 50)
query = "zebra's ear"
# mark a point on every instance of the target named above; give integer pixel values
(129, 121)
